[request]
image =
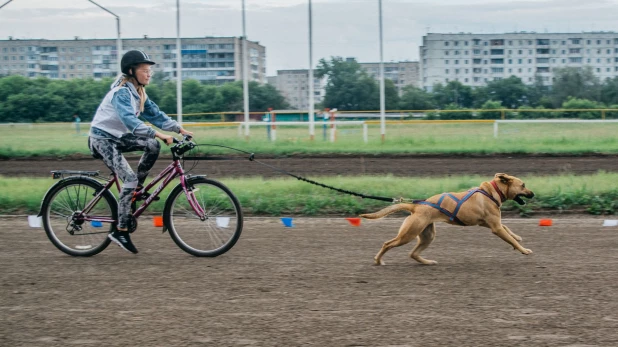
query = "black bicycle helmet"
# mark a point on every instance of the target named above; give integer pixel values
(132, 59)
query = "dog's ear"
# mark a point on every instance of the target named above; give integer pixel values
(504, 178)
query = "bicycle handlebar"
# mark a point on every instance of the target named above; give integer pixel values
(182, 146)
(185, 138)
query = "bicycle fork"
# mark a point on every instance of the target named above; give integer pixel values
(189, 192)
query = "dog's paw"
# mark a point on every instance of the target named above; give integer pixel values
(517, 237)
(526, 251)
(377, 262)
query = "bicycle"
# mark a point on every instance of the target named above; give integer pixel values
(203, 216)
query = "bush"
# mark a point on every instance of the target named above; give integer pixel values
(527, 112)
(457, 114)
(491, 105)
(575, 103)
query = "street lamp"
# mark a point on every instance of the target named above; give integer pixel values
(311, 83)
(6, 3)
(245, 72)
(118, 41)
(382, 97)
(178, 66)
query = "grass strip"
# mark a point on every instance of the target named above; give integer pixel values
(594, 194)
(573, 139)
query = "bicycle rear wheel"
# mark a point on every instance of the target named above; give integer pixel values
(217, 232)
(67, 227)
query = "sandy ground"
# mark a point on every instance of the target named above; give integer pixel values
(314, 284)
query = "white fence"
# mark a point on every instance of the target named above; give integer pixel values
(331, 124)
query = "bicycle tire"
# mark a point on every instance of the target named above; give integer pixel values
(214, 235)
(67, 198)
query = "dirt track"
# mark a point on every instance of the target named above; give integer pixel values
(315, 284)
(411, 165)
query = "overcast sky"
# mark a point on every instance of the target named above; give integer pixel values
(346, 28)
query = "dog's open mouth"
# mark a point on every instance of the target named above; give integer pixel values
(518, 199)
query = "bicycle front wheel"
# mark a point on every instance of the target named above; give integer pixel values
(66, 224)
(215, 233)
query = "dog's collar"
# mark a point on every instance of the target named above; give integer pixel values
(502, 197)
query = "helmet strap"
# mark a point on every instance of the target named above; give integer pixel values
(134, 76)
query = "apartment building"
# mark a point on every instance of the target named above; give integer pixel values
(294, 86)
(212, 59)
(403, 73)
(475, 59)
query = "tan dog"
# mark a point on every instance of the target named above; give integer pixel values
(479, 206)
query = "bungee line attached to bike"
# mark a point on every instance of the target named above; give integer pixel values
(300, 178)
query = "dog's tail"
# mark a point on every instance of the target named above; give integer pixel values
(391, 209)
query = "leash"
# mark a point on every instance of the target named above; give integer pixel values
(252, 158)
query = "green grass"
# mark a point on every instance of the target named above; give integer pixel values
(478, 138)
(595, 194)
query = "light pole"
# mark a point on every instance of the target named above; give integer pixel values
(382, 101)
(118, 40)
(178, 66)
(245, 72)
(311, 84)
(6, 3)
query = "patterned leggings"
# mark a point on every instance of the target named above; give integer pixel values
(111, 154)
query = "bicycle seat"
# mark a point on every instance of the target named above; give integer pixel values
(95, 154)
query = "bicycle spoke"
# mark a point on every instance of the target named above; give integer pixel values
(66, 224)
(222, 223)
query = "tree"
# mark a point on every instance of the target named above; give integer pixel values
(414, 98)
(349, 88)
(575, 82)
(262, 97)
(609, 91)
(454, 93)
(511, 92)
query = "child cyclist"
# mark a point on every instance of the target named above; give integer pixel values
(116, 129)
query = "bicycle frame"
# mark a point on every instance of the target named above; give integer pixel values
(166, 176)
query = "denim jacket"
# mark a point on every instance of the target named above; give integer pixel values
(119, 111)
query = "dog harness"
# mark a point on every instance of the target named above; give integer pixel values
(453, 215)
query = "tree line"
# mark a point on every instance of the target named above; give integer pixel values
(349, 88)
(45, 100)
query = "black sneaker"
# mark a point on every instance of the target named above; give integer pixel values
(123, 240)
